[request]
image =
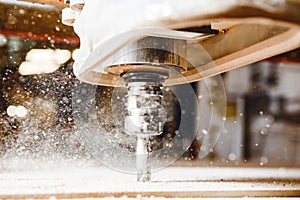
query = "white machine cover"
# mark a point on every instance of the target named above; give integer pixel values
(101, 20)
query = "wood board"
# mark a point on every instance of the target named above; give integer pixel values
(173, 182)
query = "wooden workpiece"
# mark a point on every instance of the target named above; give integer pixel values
(174, 182)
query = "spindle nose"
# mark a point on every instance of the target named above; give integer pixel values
(151, 53)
